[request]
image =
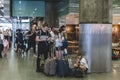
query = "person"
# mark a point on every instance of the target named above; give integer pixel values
(6, 34)
(19, 38)
(82, 63)
(42, 38)
(58, 46)
(1, 47)
(10, 37)
(31, 39)
(6, 46)
(16, 40)
(51, 46)
(61, 35)
(51, 30)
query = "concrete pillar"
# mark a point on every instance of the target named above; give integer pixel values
(96, 11)
(51, 14)
(96, 33)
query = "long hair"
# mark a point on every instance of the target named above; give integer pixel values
(62, 28)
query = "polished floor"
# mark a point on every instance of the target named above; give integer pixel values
(16, 67)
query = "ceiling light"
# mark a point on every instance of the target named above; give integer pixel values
(35, 9)
(19, 2)
(25, 20)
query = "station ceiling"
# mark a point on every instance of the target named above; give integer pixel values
(30, 7)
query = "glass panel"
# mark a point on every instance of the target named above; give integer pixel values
(73, 38)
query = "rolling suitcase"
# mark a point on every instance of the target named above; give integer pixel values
(46, 66)
(62, 68)
(50, 67)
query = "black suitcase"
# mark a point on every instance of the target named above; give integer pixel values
(62, 68)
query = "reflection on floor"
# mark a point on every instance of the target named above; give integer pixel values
(14, 67)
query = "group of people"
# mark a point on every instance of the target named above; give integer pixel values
(50, 42)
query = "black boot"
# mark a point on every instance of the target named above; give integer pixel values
(38, 65)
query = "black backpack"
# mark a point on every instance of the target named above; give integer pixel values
(65, 43)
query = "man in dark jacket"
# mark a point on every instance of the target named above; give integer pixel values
(31, 41)
(19, 38)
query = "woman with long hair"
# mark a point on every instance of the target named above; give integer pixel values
(58, 45)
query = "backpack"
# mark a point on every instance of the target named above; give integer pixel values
(65, 43)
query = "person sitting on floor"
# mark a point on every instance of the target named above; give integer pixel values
(81, 62)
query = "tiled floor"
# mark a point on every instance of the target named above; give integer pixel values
(14, 67)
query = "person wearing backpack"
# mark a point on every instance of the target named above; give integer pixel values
(58, 46)
(62, 31)
(43, 37)
(60, 42)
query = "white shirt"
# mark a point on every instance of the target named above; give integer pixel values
(58, 43)
(84, 62)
